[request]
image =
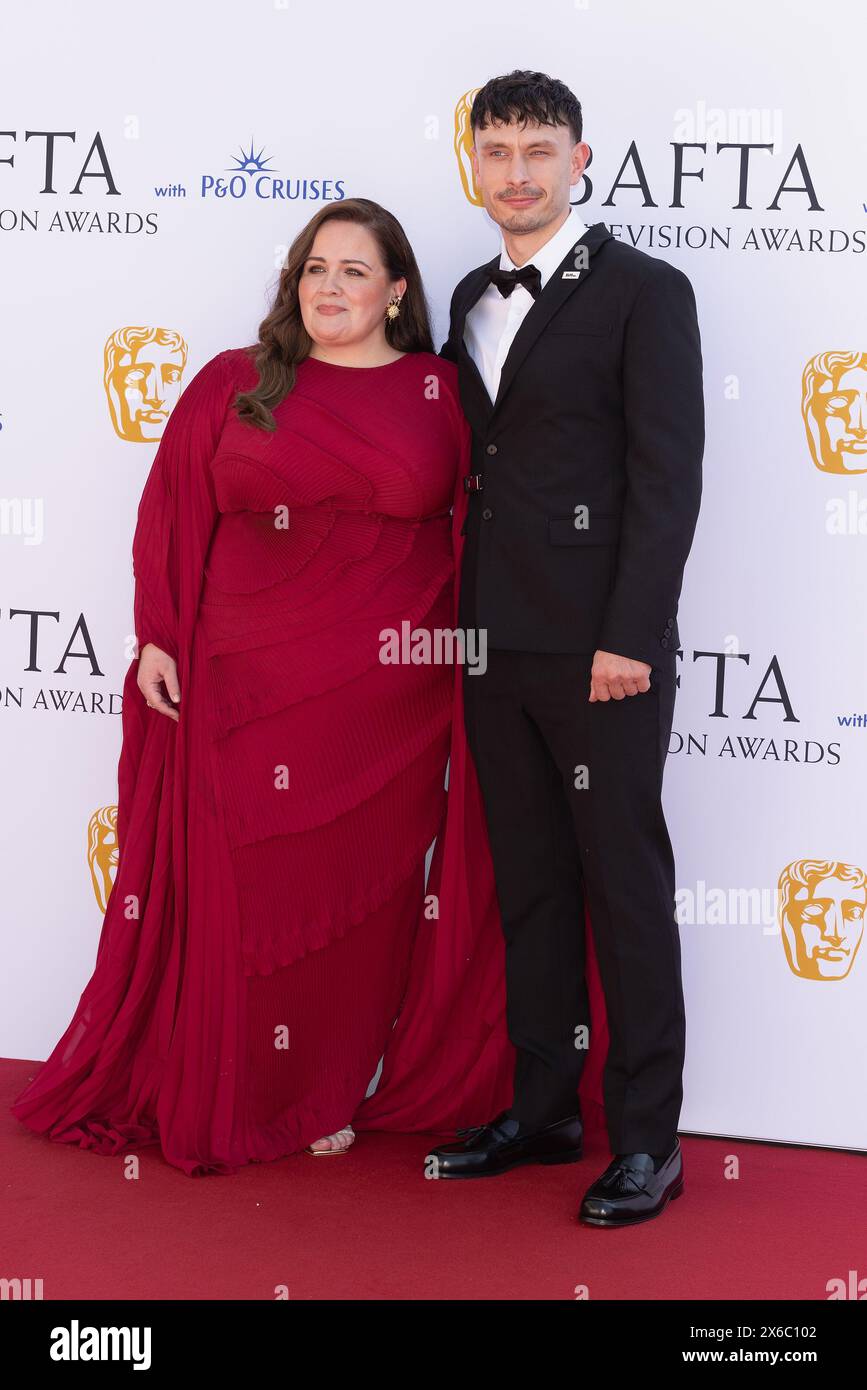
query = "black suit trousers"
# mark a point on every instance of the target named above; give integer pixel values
(572, 795)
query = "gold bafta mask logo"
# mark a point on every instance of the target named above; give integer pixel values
(142, 378)
(464, 146)
(821, 906)
(102, 852)
(834, 407)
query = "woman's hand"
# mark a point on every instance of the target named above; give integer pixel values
(155, 670)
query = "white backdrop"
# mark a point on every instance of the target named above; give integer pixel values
(360, 100)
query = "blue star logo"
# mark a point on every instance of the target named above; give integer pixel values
(251, 162)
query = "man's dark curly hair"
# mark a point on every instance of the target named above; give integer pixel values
(527, 96)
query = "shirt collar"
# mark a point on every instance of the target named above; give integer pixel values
(549, 256)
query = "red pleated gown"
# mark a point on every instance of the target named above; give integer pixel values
(269, 918)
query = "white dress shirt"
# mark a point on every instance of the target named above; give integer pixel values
(494, 319)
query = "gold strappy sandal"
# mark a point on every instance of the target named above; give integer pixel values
(322, 1153)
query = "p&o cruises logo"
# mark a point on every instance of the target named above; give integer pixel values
(252, 176)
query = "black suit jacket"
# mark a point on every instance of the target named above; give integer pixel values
(600, 406)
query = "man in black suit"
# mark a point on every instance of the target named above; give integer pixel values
(581, 375)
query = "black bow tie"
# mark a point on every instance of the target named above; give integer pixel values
(505, 280)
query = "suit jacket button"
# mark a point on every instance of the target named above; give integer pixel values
(490, 449)
(487, 514)
(663, 641)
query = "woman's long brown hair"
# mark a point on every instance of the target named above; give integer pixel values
(283, 339)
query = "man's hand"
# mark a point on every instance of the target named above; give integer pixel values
(613, 677)
(155, 669)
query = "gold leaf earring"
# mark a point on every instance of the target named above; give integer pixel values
(393, 308)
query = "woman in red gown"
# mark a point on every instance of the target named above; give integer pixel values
(269, 913)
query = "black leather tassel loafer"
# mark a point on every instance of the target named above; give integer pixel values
(629, 1191)
(503, 1144)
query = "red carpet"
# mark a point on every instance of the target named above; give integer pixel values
(369, 1226)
